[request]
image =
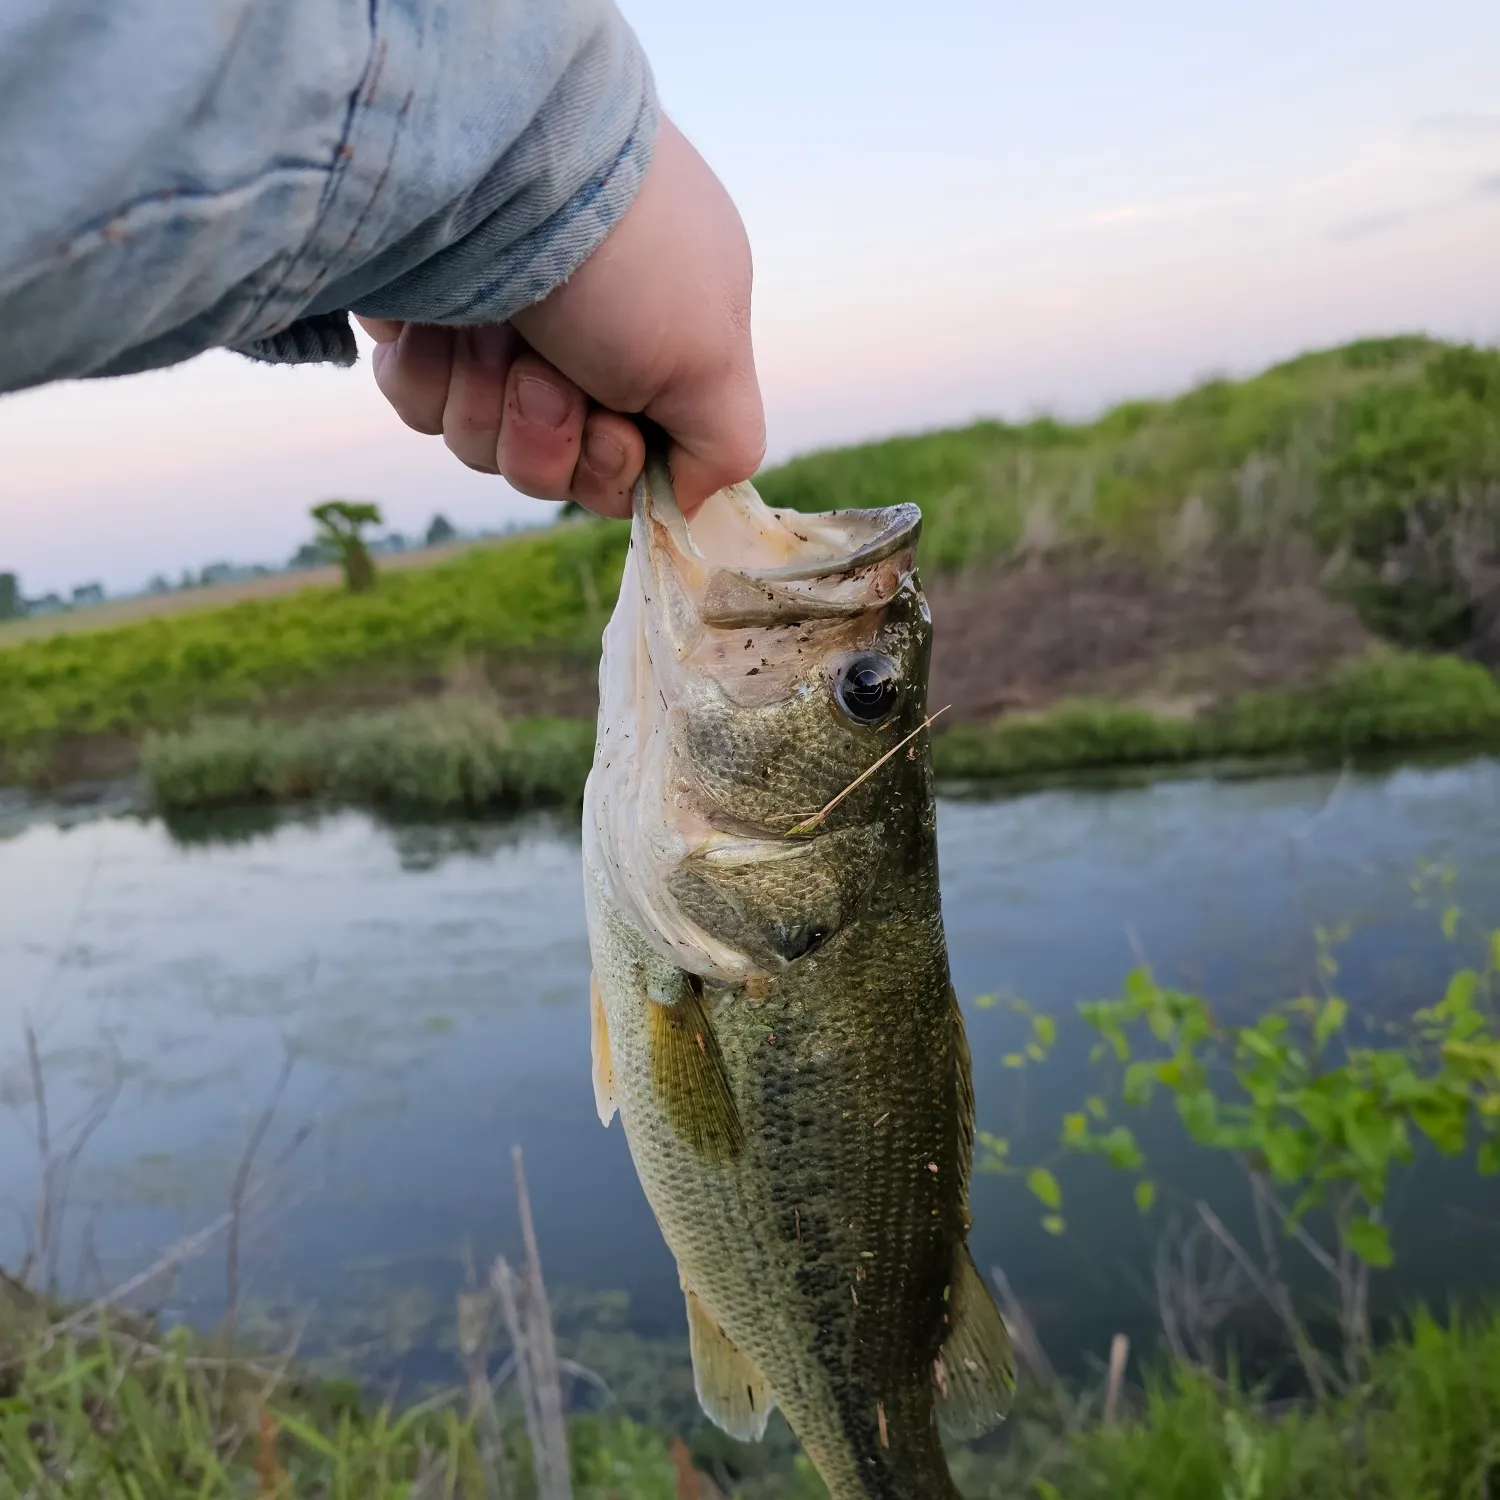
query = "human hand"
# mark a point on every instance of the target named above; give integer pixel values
(657, 321)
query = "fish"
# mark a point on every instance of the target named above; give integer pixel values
(772, 1012)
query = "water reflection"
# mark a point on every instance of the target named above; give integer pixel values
(431, 982)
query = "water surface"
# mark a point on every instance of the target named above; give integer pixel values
(431, 984)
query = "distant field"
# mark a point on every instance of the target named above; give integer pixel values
(1343, 497)
(220, 596)
(542, 591)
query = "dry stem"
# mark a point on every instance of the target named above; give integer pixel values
(809, 823)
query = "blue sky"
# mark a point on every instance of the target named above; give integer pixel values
(959, 209)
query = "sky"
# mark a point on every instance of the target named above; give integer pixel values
(963, 208)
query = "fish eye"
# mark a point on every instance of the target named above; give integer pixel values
(867, 688)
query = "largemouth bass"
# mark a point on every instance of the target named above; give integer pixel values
(773, 1016)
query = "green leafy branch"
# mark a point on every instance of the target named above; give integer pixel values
(1318, 1110)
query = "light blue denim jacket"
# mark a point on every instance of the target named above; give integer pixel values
(181, 175)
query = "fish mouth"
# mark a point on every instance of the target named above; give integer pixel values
(713, 890)
(741, 563)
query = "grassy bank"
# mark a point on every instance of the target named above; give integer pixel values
(105, 1411)
(119, 1413)
(1364, 708)
(1385, 454)
(1421, 1430)
(460, 755)
(1380, 461)
(453, 756)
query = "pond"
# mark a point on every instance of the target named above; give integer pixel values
(430, 985)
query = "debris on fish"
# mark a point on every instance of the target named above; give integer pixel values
(771, 976)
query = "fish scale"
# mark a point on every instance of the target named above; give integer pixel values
(775, 1023)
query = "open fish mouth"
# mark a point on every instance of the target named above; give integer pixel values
(740, 562)
(721, 661)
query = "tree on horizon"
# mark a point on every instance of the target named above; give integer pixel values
(340, 527)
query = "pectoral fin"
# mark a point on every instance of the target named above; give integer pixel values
(688, 1078)
(730, 1389)
(604, 1067)
(975, 1373)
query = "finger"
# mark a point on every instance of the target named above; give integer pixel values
(719, 435)
(482, 358)
(614, 452)
(413, 375)
(541, 432)
(382, 330)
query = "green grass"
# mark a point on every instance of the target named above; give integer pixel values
(1300, 426)
(1423, 1430)
(1384, 455)
(107, 1417)
(450, 756)
(104, 1414)
(459, 756)
(1388, 702)
(543, 590)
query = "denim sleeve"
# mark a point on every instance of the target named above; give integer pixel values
(240, 174)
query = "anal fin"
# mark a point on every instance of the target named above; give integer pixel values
(975, 1373)
(688, 1079)
(730, 1389)
(604, 1066)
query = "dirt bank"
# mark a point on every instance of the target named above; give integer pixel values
(1020, 637)
(1009, 639)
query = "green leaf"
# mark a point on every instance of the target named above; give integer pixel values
(1451, 915)
(1489, 1158)
(1013, 1060)
(1145, 1194)
(306, 1434)
(996, 1151)
(1054, 1223)
(1370, 1242)
(1284, 1153)
(1096, 1106)
(1369, 1139)
(1254, 1040)
(1199, 1114)
(1045, 1030)
(1330, 1020)
(1462, 988)
(1141, 992)
(72, 1374)
(1121, 1151)
(1075, 1131)
(1044, 1187)
(1495, 949)
(1444, 1120)
(1140, 1079)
